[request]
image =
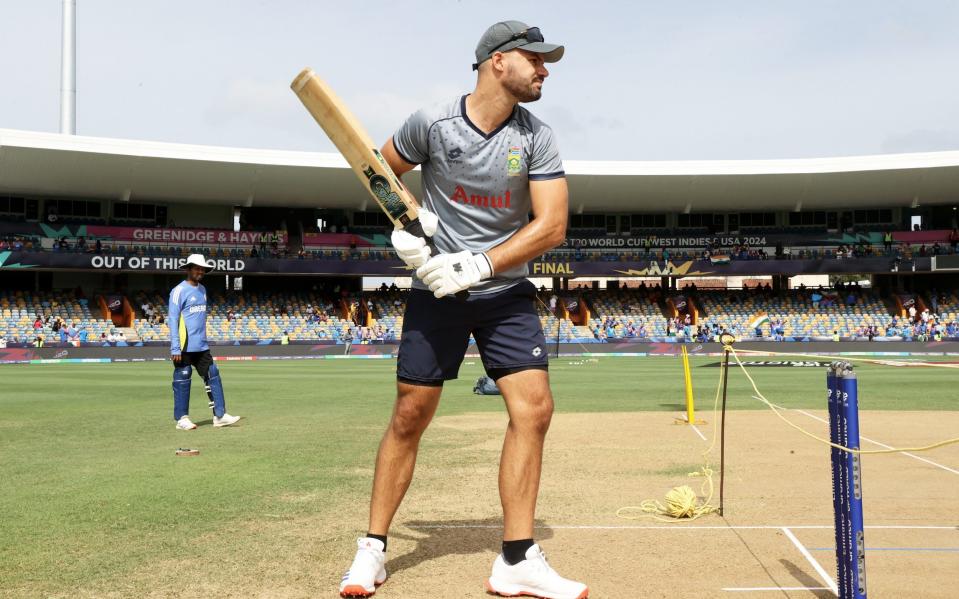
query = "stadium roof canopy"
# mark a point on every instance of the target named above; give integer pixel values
(91, 167)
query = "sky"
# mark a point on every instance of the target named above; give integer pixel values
(679, 80)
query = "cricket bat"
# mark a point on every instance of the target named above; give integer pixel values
(362, 154)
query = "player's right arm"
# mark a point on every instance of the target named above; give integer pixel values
(412, 250)
(173, 321)
(399, 165)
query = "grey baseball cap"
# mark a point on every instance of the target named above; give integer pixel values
(509, 35)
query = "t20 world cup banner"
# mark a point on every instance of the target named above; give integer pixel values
(393, 267)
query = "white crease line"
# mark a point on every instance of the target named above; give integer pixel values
(812, 561)
(701, 436)
(754, 589)
(884, 446)
(676, 527)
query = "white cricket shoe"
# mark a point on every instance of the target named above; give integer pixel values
(367, 571)
(225, 420)
(532, 577)
(185, 424)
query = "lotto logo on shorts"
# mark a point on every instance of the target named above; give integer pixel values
(536, 352)
(513, 161)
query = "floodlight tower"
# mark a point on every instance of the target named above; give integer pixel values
(68, 69)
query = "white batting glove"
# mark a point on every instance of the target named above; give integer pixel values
(412, 250)
(448, 274)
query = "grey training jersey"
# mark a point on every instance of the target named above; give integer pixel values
(477, 184)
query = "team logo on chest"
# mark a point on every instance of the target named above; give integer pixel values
(514, 162)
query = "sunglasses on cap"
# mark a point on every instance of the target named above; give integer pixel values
(532, 35)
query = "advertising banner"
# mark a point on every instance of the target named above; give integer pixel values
(393, 267)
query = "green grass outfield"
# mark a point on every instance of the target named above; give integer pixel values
(92, 494)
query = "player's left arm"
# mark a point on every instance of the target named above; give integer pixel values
(549, 201)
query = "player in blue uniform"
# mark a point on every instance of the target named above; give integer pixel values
(188, 347)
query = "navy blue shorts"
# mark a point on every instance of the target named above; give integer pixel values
(436, 334)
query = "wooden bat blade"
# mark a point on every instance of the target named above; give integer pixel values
(357, 148)
(361, 153)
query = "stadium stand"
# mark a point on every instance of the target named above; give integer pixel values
(627, 313)
(253, 317)
(19, 311)
(800, 314)
(581, 316)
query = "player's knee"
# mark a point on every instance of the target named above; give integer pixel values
(213, 371)
(182, 373)
(536, 412)
(409, 420)
(542, 413)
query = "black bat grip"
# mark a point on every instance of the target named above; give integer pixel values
(415, 228)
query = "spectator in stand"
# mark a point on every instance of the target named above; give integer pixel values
(301, 253)
(285, 338)
(954, 240)
(912, 313)
(83, 334)
(253, 252)
(37, 324)
(121, 337)
(851, 299)
(98, 248)
(816, 297)
(3, 341)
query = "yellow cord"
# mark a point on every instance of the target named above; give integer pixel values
(682, 504)
(778, 411)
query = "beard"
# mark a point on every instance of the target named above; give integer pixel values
(523, 90)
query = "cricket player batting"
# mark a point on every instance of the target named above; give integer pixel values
(487, 164)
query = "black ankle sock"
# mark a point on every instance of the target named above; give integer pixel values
(515, 551)
(381, 538)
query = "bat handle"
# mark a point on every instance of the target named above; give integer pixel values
(415, 228)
